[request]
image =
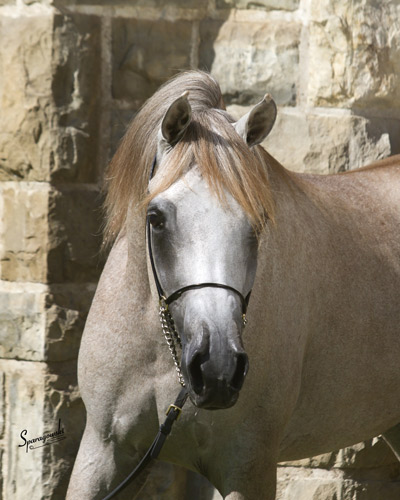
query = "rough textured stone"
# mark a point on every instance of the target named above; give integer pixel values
(23, 232)
(366, 471)
(1, 472)
(324, 461)
(259, 4)
(24, 391)
(325, 144)
(2, 406)
(303, 483)
(66, 250)
(145, 54)
(314, 489)
(371, 454)
(354, 54)
(22, 321)
(57, 70)
(76, 90)
(40, 323)
(25, 88)
(66, 310)
(251, 60)
(372, 490)
(189, 4)
(49, 97)
(61, 401)
(38, 395)
(74, 235)
(322, 143)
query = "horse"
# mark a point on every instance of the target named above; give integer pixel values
(315, 369)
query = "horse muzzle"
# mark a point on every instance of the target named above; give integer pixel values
(214, 375)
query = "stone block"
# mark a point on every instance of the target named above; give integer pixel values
(37, 396)
(22, 320)
(354, 54)
(24, 396)
(61, 401)
(371, 454)
(372, 459)
(23, 233)
(289, 5)
(50, 236)
(76, 90)
(1, 472)
(324, 461)
(42, 323)
(145, 54)
(50, 94)
(2, 406)
(66, 310)
(189, 4)
(372, 490)
(325, 143)
(74, 235)
(314, 489)
(251, 59)
(25, 96)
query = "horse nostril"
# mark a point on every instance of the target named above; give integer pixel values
(196, 374)
(242, 365)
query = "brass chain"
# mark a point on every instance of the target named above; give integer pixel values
(171, 336)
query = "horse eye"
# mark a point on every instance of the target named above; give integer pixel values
(156, 220)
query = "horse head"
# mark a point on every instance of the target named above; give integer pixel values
(204, 247)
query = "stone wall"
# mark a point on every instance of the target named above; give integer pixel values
(72, 74)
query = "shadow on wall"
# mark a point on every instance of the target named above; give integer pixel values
(146, 53)
(378, 126)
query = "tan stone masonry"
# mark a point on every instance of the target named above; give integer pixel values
(72, 75)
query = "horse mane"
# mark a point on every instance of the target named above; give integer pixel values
(210, 142)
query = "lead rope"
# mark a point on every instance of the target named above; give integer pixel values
(173, 413)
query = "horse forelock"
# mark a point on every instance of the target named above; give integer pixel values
(211, 142)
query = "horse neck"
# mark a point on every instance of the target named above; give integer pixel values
(290, 199)
(300, 235)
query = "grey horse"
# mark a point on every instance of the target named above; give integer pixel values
(316, 368)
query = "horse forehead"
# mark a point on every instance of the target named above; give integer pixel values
(193, 198)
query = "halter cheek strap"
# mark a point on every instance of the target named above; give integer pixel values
(175, 295)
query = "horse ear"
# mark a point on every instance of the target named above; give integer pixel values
(257, 123)
(176, 119)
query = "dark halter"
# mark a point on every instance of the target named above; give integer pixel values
(175, 409)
